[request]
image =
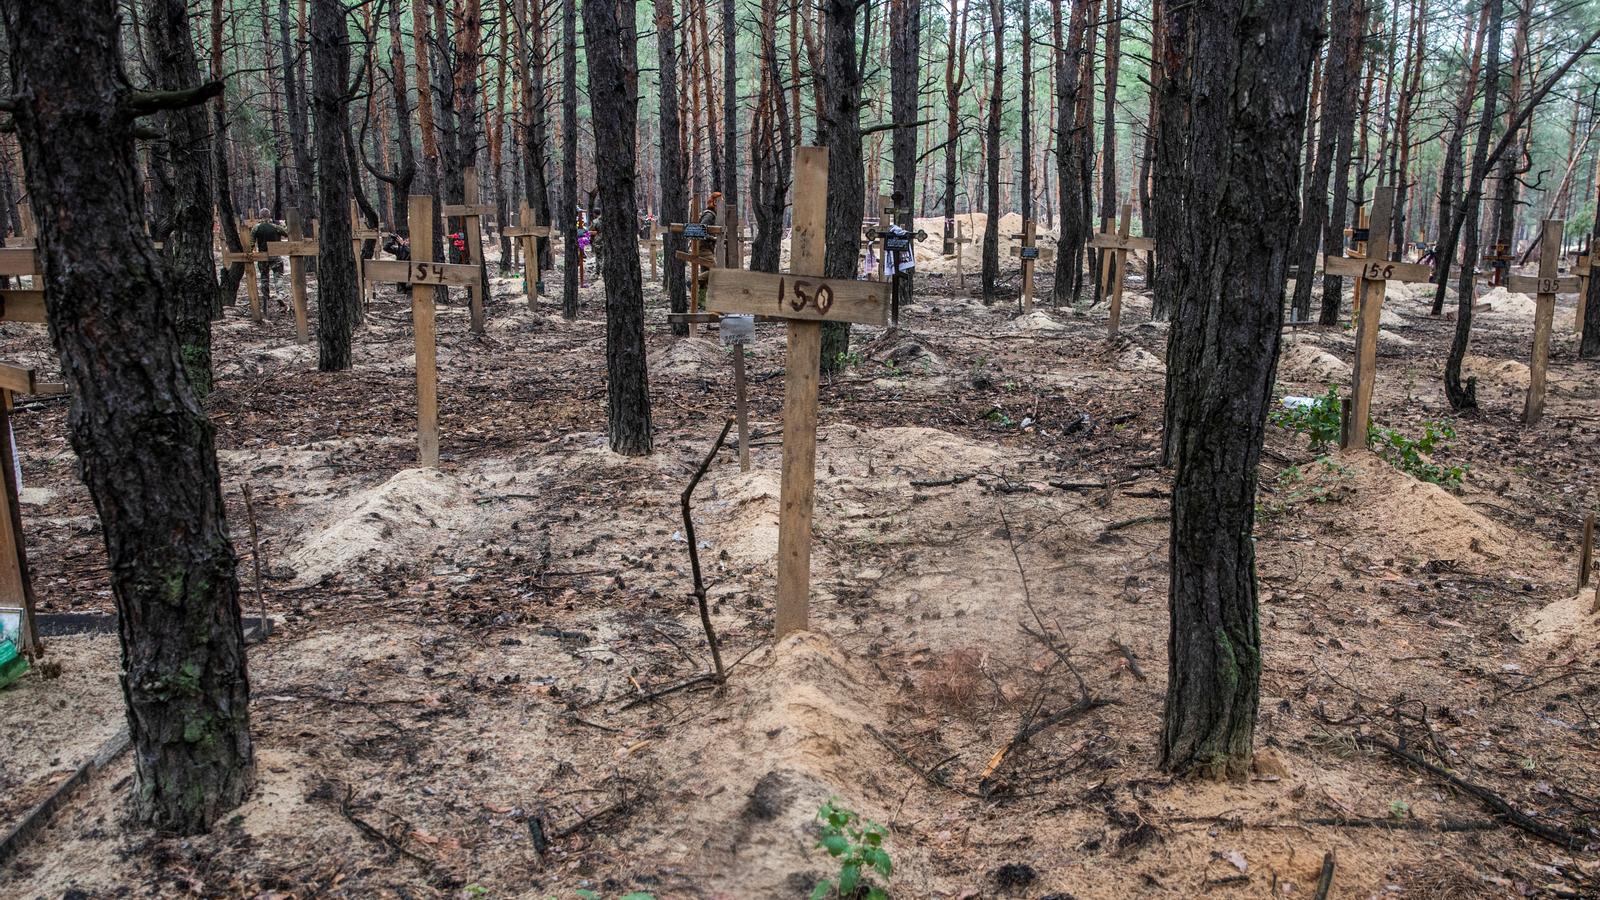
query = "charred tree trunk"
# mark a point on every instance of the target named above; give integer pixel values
(232, 275)
(338, 294)
(1070, 150)
(294, 99)
(839, 129)
(1339, 108)
(611, 42)
(1226, 200)
(991, 228)
(905, 50)
(145, 445)
(569, 158)
(185, 176)
(674, 193)
(1333, 127)
(1466, 396)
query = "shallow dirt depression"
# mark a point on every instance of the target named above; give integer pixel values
(450, 706)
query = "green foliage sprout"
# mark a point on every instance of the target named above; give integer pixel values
(858, 846)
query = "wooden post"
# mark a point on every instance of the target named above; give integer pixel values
(1361, 235)
(1114, 265)
(651, 245)
(806, 302)
(1545, 288)
(359, 234)
(695, 256)
(423, 275)
(297, 279)
(470, 212)
(1581, 270)
(1376, 271)
(248, 259)
(525, 232)
(16, 584)
(1586, 552)
(1030, 254)
(961, 269)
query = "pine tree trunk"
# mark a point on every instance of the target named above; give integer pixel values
(1451, 171)
(338, 294)
(1070, 151)
(1333, 125)
(991, 228)
(1466, 396)
(406, 172)
(145, 445)
(1589, 348)
(228, 289)
(955, 75)
(839, 129)
(905, 50)
(1226, 200)
(294, 81)
(1339, 99)
(612, 42)
(569, 158)
(186, 177)
(674, 194)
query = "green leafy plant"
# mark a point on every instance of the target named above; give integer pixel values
(858, 846)
(1414, 455)
(998, 416)
(1317, 420)
(848, 359)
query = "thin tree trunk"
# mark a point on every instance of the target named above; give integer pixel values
(232, 275)
(674, 196)
(1344, 80)
(338, 294)
(839, 129)
(611, 44)
(294, 97)
(569, 157)
(905, 39)
(135, 423)
(991, 228)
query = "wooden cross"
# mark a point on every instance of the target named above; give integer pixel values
(1115, 264)
(471, 213)
(1499, 264)
(1359, 234)
(248, 258)
(525, 232)
(1030, 254)
(423, 274)
(731, 250)
(1375, 272)
(806, 300)
(297, 248)
(694, 256)
(957, 241)
(1544, 288)
(877, 233)
(651, 245)
(359, 233)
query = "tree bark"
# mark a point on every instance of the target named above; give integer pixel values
(569, 158)
(1339, 104)
(228, 287)
(839, 129)
(1070, 150)
(1589, 347)
(611, 44)
(674, 193)
(905, 50)
(338, 294)
(1465, 396)
(185, 179)
(1333, 127)
(145, 445)
(991, 228)
(294, 99)
(1226, 199)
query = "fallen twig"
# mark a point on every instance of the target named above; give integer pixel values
(694, 553)
(1325, 880)
(1561, 837)
(1133, 661)
(1136, 521)
(672, 689)
(939, 482)
(929, 775)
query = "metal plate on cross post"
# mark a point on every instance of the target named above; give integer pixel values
(694, 231)
(737, 330)
(1360, 235)
(810, 298)
(1030, 252)
(897, 244)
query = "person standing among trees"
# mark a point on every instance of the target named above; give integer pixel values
(708, 217)
(265, 232)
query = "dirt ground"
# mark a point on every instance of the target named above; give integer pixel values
(451, 705)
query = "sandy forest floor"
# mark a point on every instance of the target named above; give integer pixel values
(447, 707)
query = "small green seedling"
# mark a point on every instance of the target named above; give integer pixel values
(858, 846)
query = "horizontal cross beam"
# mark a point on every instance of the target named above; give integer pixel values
(808, 298)
(399, 271)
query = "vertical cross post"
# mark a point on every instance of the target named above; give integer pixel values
(1030, 254)
(16, 585)
(1581, 270)
(1544, 287)
(248, 258)
(526, 232)
(359, 234)
(471, 213)
(1114, 268)
(297, 279)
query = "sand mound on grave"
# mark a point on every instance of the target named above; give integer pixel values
(904, 351)
(405, 518)
(1392, 511)
(1501, 302)
(800, 738)
(688, 356)
(1506, 374)
(1304, 361)
(1565, 619)
(1031, 323)
(1387, 338)
(911, 449)
(741, 518)
(1138, 359)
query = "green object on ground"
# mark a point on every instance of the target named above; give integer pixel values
(12, 662)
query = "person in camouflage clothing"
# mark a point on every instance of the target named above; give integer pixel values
(265, 232)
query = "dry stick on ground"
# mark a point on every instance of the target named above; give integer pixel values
(694, 553)
(255, 558)
(1559, 836)
(1325, 880)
